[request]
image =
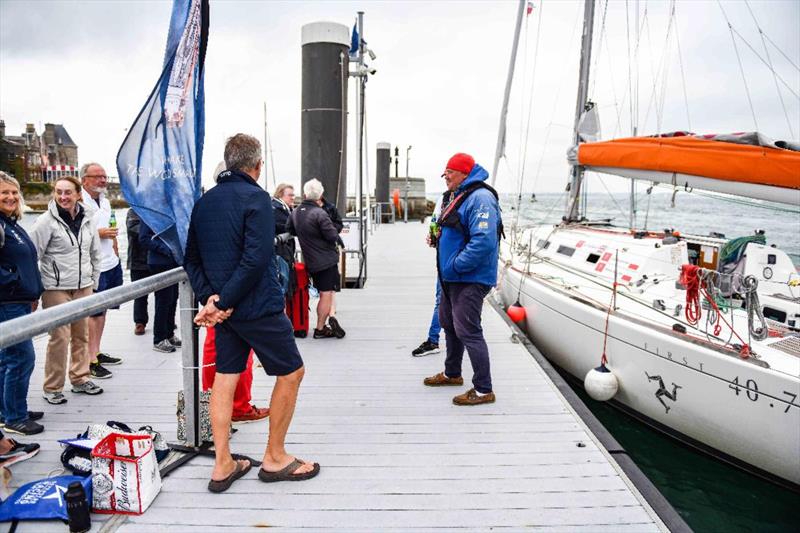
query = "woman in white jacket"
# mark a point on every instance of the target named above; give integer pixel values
(69, 261)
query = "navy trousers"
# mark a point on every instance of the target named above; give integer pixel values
(166, 305)
(140, 315)
(460, 315)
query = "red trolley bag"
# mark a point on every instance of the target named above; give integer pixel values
(297, 303)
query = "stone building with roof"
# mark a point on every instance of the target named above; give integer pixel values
(34, 157)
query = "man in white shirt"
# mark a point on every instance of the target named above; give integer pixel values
(94, 181)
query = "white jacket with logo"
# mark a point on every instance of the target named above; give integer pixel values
(66, 262)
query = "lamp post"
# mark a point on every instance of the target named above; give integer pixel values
(405, 211)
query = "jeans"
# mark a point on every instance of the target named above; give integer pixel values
(16, 367)
(166, 305)
(436, 328)
(460, 315)
(140, 304)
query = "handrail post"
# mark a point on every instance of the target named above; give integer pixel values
(190, 364)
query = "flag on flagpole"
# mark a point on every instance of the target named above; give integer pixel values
(354, 42)
(159, 162)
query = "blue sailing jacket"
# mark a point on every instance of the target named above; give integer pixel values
(230, 248)
(469, 254)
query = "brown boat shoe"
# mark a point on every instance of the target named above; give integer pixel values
(471, 397)
(440, 379)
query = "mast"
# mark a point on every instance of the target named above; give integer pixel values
(268, 152)
(361, 92)
(265, 146)
(501, 134)
(576, 178)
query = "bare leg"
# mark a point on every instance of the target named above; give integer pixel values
(324, 308)
(281, 410)
(96, 326)
(221, 411)
(332, 312)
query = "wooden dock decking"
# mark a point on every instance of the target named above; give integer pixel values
(394, 454)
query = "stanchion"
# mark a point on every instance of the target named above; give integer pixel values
(190, 362)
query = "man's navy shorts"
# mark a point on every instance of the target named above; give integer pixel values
(271, 338)
(327, 280)
(108, 280)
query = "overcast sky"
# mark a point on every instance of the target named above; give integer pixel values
(441, 69)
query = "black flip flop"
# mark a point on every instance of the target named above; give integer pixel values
(287, 474)
(224, 484)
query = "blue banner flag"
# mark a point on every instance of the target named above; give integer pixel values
(354, 42)
(159, 162)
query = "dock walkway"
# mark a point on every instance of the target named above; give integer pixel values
(394, 454)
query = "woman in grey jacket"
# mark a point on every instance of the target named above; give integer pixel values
(69, 260)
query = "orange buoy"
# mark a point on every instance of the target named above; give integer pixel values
(396, 199)
(516, 312)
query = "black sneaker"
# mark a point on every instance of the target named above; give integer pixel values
(26, 427)
(105, 359)
(324, 333)
(335, 327)
(18, 452)
(32, 415)
(426, 348)
(99, 372)
(175, 341)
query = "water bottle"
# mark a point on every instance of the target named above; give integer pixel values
(77, 508)
(112, 221)
(434, 231)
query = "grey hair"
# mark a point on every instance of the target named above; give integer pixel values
(85, 168)
(242, 152)
(11, 180)
(313, 189)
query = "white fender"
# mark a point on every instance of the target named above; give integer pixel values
(601, 384)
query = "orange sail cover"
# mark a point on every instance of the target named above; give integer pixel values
(758, 165)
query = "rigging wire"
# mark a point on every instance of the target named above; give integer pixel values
(782, 52)
(599, 45)
(630, 77)
(657, 99)
(555, 106)
(683, 74)
(530, 111)
(741, 68)
(624, 214)
(778, 76)
(774, 74)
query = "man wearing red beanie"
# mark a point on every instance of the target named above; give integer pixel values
(468, 248)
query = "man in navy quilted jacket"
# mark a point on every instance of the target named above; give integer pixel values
(229, 260)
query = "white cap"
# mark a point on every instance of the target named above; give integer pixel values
(325, 32)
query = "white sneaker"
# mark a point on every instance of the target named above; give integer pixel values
(55, 398)
(87, 388)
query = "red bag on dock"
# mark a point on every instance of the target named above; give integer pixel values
(297, 303)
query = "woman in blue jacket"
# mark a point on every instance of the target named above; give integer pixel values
(20, 289)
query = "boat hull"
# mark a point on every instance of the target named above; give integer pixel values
(734, 408)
